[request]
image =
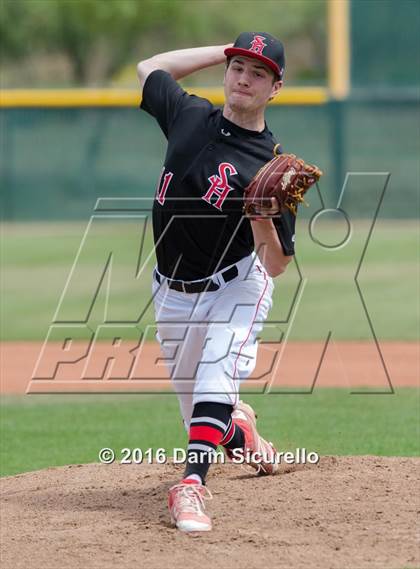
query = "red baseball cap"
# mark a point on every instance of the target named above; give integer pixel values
(262, 46)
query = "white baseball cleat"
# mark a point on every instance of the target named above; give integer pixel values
(186, 506)
(258, 453)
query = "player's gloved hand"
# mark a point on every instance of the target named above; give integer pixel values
(265, 212)
(285, 178)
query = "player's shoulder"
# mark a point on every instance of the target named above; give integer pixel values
(269, 141)
(272, 146)
(158, 79)
(273, 142)
(162, 80)
(149, 72)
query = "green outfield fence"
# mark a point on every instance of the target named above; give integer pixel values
(60, 151)
(384, 41)
(56, 162)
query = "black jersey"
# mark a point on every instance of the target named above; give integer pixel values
(198, 223)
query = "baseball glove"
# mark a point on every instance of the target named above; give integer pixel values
(285, 178)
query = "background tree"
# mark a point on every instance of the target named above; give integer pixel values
(98, 38)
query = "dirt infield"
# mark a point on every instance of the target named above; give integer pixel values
(344, 513)
(353, 512)
(304, 365)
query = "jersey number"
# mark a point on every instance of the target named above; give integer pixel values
(162, 189)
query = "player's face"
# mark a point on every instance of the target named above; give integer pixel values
(249, 84)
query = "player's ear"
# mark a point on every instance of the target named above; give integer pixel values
(277, 85)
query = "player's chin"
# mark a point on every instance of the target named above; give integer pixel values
(240, 103)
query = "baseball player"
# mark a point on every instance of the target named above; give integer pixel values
(213, 282)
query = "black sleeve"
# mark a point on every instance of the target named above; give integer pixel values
(165, 100)
(285, 227)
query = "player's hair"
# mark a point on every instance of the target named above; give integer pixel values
(274, 76)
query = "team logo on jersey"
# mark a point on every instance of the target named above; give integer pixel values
(257, 45)
(219, 185)
(162, 188)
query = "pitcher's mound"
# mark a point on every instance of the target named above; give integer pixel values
(346, 512)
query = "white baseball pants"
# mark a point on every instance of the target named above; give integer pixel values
(209, 339)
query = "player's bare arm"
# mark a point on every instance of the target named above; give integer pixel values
(182, 62)
(277, 187)
(268, 246)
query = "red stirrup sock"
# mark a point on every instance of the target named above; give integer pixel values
(209, 423)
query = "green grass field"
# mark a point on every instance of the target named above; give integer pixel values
(36, 260)
(42, 431)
